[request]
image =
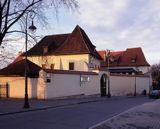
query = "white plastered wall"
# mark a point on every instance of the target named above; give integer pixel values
(125, 85)
(61, 62)
(63, 85)
(17, 86)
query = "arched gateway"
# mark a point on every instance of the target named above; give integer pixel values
(103, 84)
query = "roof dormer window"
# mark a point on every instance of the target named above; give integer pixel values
(45, 49)
(134, 58)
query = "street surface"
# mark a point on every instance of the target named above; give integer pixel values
(80, 116)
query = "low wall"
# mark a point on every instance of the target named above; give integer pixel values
(62, 85)
(125, 84)
(17, 86)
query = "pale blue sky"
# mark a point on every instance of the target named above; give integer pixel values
(114, 24)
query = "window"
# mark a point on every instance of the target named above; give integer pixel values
(44, 66)
(71, 66)
(134, 58)
(52, 66)
(45, 49)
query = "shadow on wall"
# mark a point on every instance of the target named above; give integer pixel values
(34, 85)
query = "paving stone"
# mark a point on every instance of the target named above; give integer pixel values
(146, 116)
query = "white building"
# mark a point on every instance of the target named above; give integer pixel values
(66, 65)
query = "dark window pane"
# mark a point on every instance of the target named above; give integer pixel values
(71, 66)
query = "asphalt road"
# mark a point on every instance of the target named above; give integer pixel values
(80, 116)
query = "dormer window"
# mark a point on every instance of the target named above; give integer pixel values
(134, 58)
(112, 59)
(45, 49)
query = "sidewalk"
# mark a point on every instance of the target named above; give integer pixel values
(146, 116)
(12, 106)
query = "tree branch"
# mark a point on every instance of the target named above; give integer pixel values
(6, 18)
(20, 15)
(16, 31)
(5, 2)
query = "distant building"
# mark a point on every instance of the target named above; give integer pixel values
(130, 61)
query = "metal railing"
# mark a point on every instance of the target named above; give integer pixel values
(4, 90)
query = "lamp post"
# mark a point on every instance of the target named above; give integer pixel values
(32, 28)
(108, 94)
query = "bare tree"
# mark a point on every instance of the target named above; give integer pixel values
(13, 12)
(155, 71)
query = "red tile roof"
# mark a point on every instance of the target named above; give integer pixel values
(18, 69)
(76, 42)
(50, 41)
(102, 53)
(124, 58)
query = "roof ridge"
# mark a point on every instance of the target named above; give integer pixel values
(82, 37)
(65, 42)
(58, 34)
(89, 44)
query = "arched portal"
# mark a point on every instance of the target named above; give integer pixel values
(103, 82)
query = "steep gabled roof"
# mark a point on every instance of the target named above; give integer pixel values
(134, 53)
(124, 58)
(18, 69)
(76, 42)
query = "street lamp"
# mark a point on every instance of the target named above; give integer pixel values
(108, 94)
(32, 28)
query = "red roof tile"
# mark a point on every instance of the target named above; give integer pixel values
(102, 53)
(51, 41)
(124, 58)
(76, 42)
(18, 69)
